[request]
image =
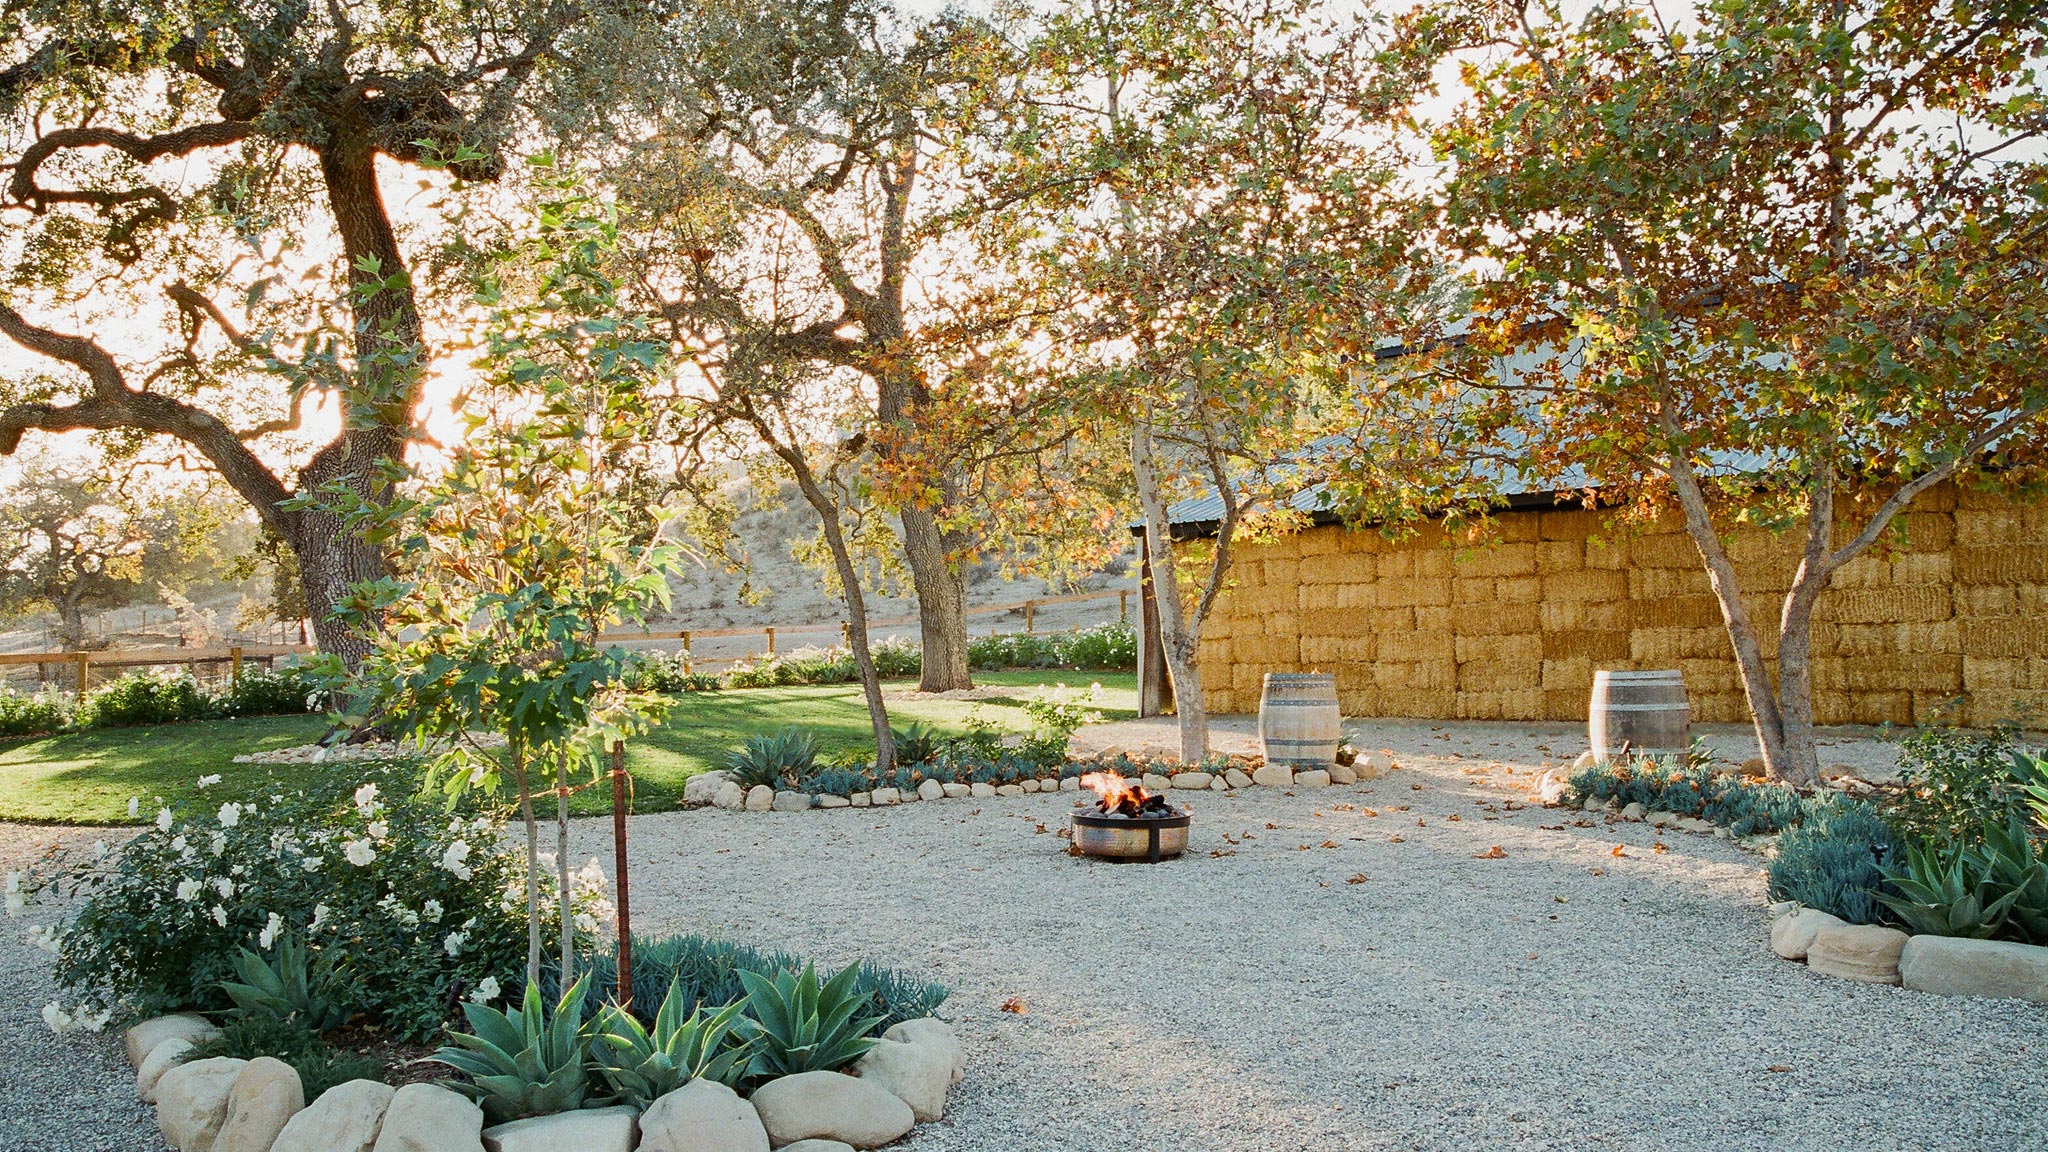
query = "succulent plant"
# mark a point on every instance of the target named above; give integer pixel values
(796, 1024)
(522, 1062)
(642, 1065)
(316, 992)
(786, 755)
(1944, 891)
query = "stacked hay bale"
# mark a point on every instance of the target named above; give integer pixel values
(1953, 606)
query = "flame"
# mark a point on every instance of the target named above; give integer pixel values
(1111, 789)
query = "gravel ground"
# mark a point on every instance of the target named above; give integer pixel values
(1253, 997)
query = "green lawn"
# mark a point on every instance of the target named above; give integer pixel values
(87, 777)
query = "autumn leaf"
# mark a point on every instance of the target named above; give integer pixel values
(1494, 853)
(1014, 1006)
(1619, 850)
(1357, 878)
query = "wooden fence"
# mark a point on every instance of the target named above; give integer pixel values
(80, 665)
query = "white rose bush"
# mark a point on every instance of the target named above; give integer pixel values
(423, 898)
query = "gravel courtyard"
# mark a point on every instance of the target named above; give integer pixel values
(1337, 969)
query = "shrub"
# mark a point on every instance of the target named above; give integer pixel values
(772, 758)
(796, 1024)
(1953, 784)
(1743, 807)
(707, 972)
(1105, 646)
(917, 744)
(285, 691)
(666, 672)
(897, 658)
(32, 715)
(319, 1065)
(427, 900)
(1833, 861)
(1992, 885)
(523, 1061)
(642, 1065)
(142, 698)
(318, 994)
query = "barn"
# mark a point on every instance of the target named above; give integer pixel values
(1950, 622)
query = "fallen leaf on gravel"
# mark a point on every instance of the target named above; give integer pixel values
(1301, 847)
(1394, 840)
(1779, 1068)
(1421, 823)
(1015, 1006)
(1560, 899)
(1075, 850)
(1270, 825)
(1316, 814)
(1329, 843)
(1370, 811)
(1415, 787)
(1551, 827)
(1514, 807)
(1065, 833)
(1619, 850)
(1346, 808)
(1659, 848)
(1598, 871)
(1531, 956)
(1454, 818)
(1219, 853)
(1042, 830)
(1582, 823)
(1358, 878)
(1494, 853)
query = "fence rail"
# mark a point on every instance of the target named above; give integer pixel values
(80, 665)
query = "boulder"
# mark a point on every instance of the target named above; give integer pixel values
(818, 1146)
(1754, 768)
(1216, 784)
(1952, 966)
(1343, 774)
(1274, 776)
(1154, 782)
(1373, 765)
(827, 800)
(590, 1130)
(1553, 786)
(917, 1074)
(1070, 783)
(1777, 908)
(931, 790)
(1584, 761)
(265, 1097)
(908, 796)
(981, 791)
(931, 1030)
(832, 1106)
(430, 1118)
(760, 798)
(861, 800)
(346, 1118)
(1863, 952)
(1792, 933)
(1696, 826)
(1236, 778)
(1009, 789)
(788, 801)
(161, 1059)
(886, 796)
(702, 788)
(702, 1116)
(1593, 804)
(730, 796)
(1661, 819)
(1190, 780)
(145, 1036)
(192, 1102)
(955, 791)
(1632, 811)
(1314, 779)
(1029, 786)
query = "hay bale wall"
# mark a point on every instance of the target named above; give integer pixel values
(1955, 613)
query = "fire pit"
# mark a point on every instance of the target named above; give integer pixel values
(1127, 822)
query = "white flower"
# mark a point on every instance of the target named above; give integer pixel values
(431, 910)
(220, 915)
(359, 852)
(379, 829)
(48, 939)
(455, 859)
(219, 843)
(453, 943)
(92, 1021)
(177, 843)
(319, 917)
(271, 928)
(312, 863)
(15, 903)
(163, 819)
(14, 881)
(134, 807)
(209, 781)
(57, 1018)
(486, 991)
(366, 800)
(224, 886)
(188, 889)
(230, 814)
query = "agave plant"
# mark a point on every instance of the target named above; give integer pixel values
(769, 758)
(1944, 892)
(2013, 862)
(795, 1024)
(315, 992)
(522, 1062)
(642, 1066)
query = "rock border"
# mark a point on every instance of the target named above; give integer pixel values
(228, 1105)
(717, 789)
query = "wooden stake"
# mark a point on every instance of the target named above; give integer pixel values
(625, 907)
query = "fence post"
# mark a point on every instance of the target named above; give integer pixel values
(771, 640)
(1030, 608)
(686, 654)
(84, 661)
(235, 665)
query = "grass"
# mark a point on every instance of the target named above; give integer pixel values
(87, 777)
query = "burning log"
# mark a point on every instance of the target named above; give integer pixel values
(1127, 821)
(1116, 796)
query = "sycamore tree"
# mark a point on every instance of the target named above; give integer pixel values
(541, 531)
(1779, 263)
(795, 191)
(198, 242)
(1198, 186)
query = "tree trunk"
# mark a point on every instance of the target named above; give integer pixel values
(519, 775)
(856, 603)
(70, 623)
(941, 603)
(1177, 641)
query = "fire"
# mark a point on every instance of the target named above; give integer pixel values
(1118, 796)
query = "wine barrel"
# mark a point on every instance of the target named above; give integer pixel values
(1299, 725)
(1646, 711)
